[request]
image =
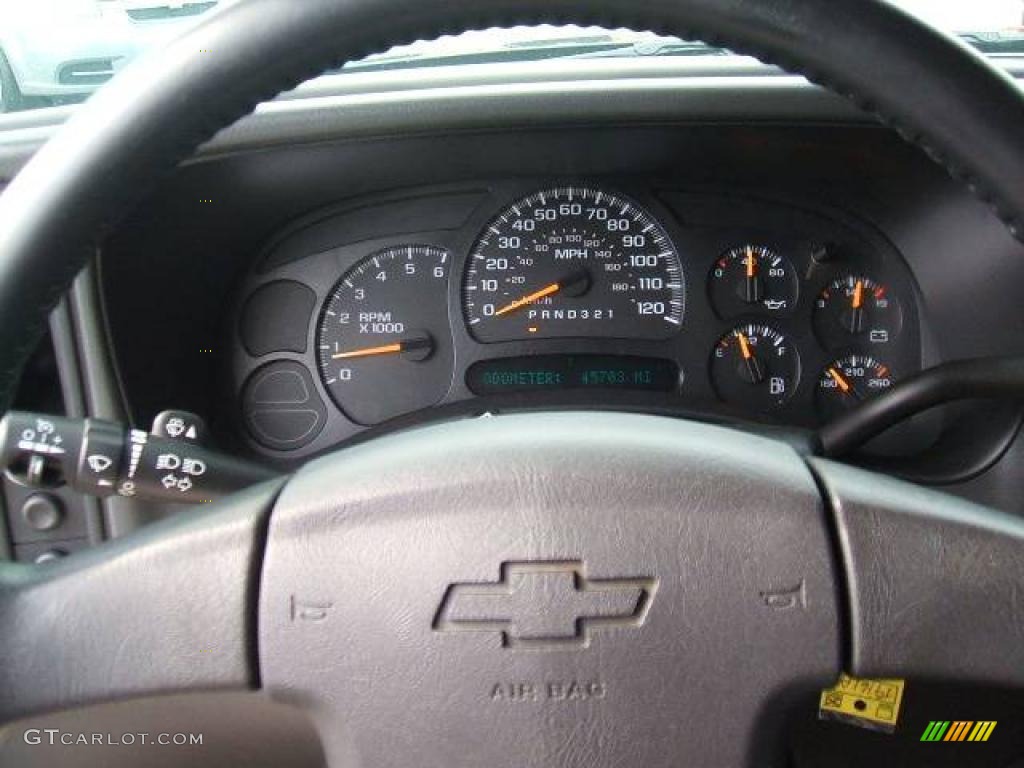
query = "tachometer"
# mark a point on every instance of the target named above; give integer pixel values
(384, 339)
(576, 262)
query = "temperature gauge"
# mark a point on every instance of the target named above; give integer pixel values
(856, 309)
(754, 367)
(752, 278)
(848, 382)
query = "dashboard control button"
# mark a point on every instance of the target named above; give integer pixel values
(36, 473)
(101, 458)
(42, 512)
(180, 425)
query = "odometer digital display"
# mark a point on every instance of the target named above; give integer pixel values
(543, 373)
(573, 262)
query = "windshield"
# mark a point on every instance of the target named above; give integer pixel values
(55, 52)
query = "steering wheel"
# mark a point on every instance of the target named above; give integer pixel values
(557, 589)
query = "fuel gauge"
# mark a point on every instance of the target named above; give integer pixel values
(754, 367)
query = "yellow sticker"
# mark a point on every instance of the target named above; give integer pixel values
(873, 704)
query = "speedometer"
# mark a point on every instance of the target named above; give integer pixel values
(577, 262)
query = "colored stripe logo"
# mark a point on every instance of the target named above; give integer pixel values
(958, 730)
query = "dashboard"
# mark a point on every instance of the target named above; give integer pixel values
(533, 292)
(215, 294)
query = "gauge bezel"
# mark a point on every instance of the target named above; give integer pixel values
(834, 338)
(535, 270)
(755, 400)
(410, 382)
(721, 304)
(822, 394)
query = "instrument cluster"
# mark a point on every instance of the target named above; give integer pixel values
(530, 294)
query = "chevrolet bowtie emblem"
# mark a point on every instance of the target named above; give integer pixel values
(545, 604)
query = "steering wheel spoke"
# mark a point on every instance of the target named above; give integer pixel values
(935, 583)
(166, 610)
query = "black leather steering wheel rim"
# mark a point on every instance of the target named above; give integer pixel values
(771, 565)
(965, 113)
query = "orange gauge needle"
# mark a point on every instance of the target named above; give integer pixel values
(386, 349)
(858, 294)
(857, 308)
(753, 367)
(529, 299)
(409, 345)
(837, 377)
(744, 346)
(751, 285)
(844, 385)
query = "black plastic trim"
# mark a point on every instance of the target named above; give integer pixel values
(70, 363)
(351, 105)
(103, 393)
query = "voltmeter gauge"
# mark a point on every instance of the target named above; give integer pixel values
(384, 342)
(848, 382)
(753, 278)
(857, 310)
(754, 367)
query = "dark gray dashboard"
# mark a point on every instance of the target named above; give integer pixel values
(177, 277)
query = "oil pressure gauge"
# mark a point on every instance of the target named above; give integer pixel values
(752, 278)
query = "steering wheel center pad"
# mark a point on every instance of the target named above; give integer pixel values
(609, 588)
